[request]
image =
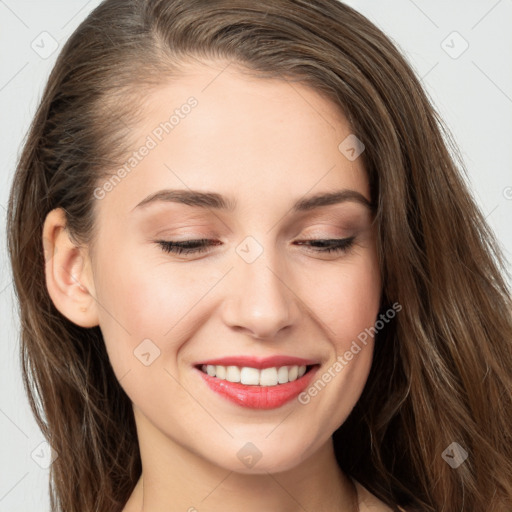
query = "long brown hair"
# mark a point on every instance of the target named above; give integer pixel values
(442, 369)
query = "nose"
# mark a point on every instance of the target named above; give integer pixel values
(260, 301)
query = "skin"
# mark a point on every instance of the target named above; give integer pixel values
(265, 144)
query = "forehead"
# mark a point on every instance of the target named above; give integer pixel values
(214, 128)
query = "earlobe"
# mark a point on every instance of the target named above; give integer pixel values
(68, 272)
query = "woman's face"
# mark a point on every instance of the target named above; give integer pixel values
(261, 150)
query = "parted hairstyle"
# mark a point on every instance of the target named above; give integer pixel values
(442, 368)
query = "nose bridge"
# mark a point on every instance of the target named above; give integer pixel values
(260, 300)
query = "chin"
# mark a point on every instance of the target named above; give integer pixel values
(260, 458)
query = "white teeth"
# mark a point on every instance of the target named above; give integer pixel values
(233, 374)
(250, 376)
(282, 375)
(254, 377)
(220, 372)
(268, 377)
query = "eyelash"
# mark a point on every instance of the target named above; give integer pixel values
(200, 246)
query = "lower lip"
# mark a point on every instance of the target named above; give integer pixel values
(259, 397)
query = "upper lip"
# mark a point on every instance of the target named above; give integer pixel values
(259, 362)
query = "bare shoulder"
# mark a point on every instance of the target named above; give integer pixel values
(368, 502)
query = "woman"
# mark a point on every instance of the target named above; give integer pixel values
(264, 282)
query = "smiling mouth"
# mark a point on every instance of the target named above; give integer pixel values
(249, 376)
(257, 388)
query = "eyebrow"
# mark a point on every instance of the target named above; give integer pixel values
(220, 202)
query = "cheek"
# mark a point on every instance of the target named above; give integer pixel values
(141, 300)
(132, 308)
(346, 299)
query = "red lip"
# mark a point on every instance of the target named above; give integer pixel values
(259, 397)
(260, 363)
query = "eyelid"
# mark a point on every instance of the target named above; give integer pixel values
(203, 245)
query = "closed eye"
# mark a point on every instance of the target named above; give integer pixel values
(202, 245)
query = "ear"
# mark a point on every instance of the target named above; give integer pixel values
(68, 271)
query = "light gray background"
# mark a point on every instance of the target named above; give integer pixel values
(473, 92)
